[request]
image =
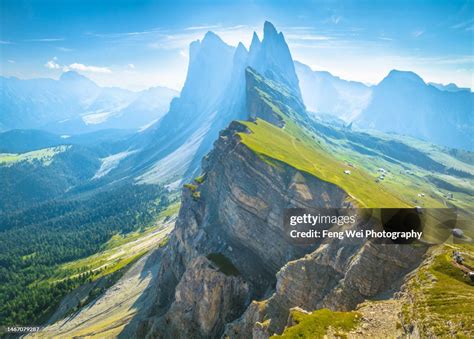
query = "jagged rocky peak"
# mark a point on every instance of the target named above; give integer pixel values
(269, 30)
(209, 70)
(212, 39)
(240, 62)
(213, 63)
(272, 58)
(241, 52)
(254, 49)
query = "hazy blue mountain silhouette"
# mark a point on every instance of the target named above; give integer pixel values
(403, 103)
(75, 104)
(213, 95)
(328, 94)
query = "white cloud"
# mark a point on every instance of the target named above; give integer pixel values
(86, 68)
(183, 53)
(417, 33)
(132, 66)
(52, 64)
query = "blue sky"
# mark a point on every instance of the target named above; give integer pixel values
(137, 44)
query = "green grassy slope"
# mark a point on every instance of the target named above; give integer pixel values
(37, 176)
(417, 173)
(45, 156)
(119, 251)
(273, 142)
(51, 249)
(317, 323)
(441, 296)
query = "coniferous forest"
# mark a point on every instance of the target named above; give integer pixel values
(35, 241)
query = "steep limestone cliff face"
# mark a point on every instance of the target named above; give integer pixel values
(205, 300)
(237, 212)
(229, 247)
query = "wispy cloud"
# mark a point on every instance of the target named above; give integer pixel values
(417, 33)
(181, 39)
(200, 28)
(308, 37)
(45, 40)
(335, 19)
(173, 41)
(178, 39)
(5, 42)
(132, 66)
(64, 49)
(11, 61)
(467, 25)
(122, 35)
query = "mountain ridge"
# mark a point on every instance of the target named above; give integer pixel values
(212, 96)
(73, 104)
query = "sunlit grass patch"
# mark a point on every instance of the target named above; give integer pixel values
(441, 296)
(317, 324)
(273, 142)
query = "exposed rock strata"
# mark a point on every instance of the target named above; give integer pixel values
(238, 212)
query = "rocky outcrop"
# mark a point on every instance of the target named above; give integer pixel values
(339, 276)
(205, 300)
(238, 212)
(236, 209)
(230, 246)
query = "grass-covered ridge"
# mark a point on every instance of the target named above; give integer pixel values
(441, 296)
(317, 324)
(273, 142)
(415, 173)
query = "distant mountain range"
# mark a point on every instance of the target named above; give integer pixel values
(213, 95)
(329, 94)
(401, 103)
(75, 104)
(449, 87)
